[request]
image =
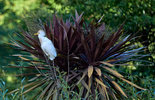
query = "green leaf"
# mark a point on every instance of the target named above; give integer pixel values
(45, 90)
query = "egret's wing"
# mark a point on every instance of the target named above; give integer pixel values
(49, 49)
(52, 48)
(45, 51)
(49, 54)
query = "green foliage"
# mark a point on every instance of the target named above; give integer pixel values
(133, 93)
(4, 92)
(139, 15)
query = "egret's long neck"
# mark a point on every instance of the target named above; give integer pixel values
(41, 38)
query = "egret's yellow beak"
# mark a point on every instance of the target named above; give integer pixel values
(36, 33)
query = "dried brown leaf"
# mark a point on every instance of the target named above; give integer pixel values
(133, 84)
(100, 82)
(98, 71)
(106, 63)
(84, 74)
(90, 71)
(115, 73)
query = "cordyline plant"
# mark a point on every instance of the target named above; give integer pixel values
(85, 54)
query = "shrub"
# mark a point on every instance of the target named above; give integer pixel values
(87, 57)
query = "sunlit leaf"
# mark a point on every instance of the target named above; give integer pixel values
(100, 82)
(98, 71)
(90, 71)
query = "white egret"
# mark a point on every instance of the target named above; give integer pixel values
(46, 45)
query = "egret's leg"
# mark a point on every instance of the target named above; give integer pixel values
(47, 60)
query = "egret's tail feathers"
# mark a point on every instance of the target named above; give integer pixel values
(55, 53)
(52, 58)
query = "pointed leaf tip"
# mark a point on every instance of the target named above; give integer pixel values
(90, 71)
(98, 71)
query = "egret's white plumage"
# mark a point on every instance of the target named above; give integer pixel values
(47, 45)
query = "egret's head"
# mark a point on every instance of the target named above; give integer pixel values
(40, 33)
